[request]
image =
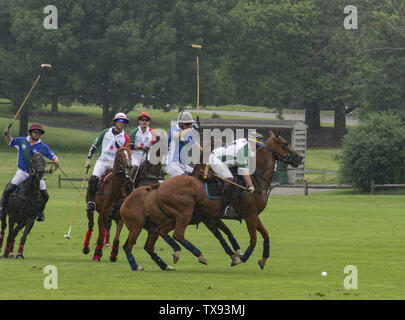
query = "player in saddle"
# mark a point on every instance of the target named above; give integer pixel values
(236, 154)
(180, 136)
(26, 146)
(107, 142)
(142, 138)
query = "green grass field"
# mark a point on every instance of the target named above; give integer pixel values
(309, 234)
(320, 232)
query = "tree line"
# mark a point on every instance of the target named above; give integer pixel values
(272, 53)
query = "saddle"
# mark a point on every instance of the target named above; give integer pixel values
(105, 178)
(214, 185)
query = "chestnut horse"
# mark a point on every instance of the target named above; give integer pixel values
(110, 192)
(172, 203)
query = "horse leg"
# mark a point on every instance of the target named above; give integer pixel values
(266, 243)
(163, 231)
(12, 233)
(90, 218)
(211, 224)
(131, 240)
(179, 230)
(251, 223)
(27, 230)
(3, 227)
(235, 245)
(116, 243)
(106, 236)
(98, 253)
(150, 248)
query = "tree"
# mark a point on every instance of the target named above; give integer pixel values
(26, 45)
(374, 150)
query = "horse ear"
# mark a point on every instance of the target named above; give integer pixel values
(271, 134)
(278, 133)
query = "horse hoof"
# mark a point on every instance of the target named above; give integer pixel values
(239, 253)
(235, 260)
(261, 264)
(176, 256)
(169, 268)
(11, 255)
(86, 250)
(96, 259)
(107, 245)
(140, 268)
(19, 256)
(202, 259)
(113, 258)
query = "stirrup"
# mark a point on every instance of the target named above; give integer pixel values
(91, 206)
(230, 213)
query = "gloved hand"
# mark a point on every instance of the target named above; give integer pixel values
(251, 189)
(88, 163)
(197, 123)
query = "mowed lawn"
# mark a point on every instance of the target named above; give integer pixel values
(309, 234)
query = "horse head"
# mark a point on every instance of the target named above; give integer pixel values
(282, 150)
(37, 165)
(123, 160)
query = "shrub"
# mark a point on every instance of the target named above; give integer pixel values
(374, 150)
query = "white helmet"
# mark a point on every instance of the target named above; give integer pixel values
(185, 117)
(121, 115)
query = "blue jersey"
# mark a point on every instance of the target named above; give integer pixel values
(175, 152)
(22, 143)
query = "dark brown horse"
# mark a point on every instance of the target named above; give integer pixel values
(173, 203)
(24, 206)
(110, 193)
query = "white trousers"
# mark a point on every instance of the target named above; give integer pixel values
(21, 176)
(219, 167)
(176, 169)
(101, 167)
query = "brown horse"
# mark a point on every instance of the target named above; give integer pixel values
(172, 204)
(110, 192)
(139, 211)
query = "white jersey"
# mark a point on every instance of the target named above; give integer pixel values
(107, 143)
(234, 154)
(141, 139)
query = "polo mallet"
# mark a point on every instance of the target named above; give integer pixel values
(26, 98)
(137, 169)
(197, 47)
(67, 236)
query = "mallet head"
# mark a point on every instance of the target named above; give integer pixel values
(46, 65)
(196, 46)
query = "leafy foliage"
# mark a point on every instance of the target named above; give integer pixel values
(374, 150)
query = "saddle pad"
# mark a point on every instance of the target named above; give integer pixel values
(104, 179)
(213, 190)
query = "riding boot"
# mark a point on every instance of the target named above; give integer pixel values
(229, 193)
(93, 185)
(9, 188)
(45, 198)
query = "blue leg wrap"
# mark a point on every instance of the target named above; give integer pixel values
(247, 254)
(162, 265)
(266, 248)
(132, 262)
(191, 248)
(225, 245)
(172, 243)
(234, 243)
